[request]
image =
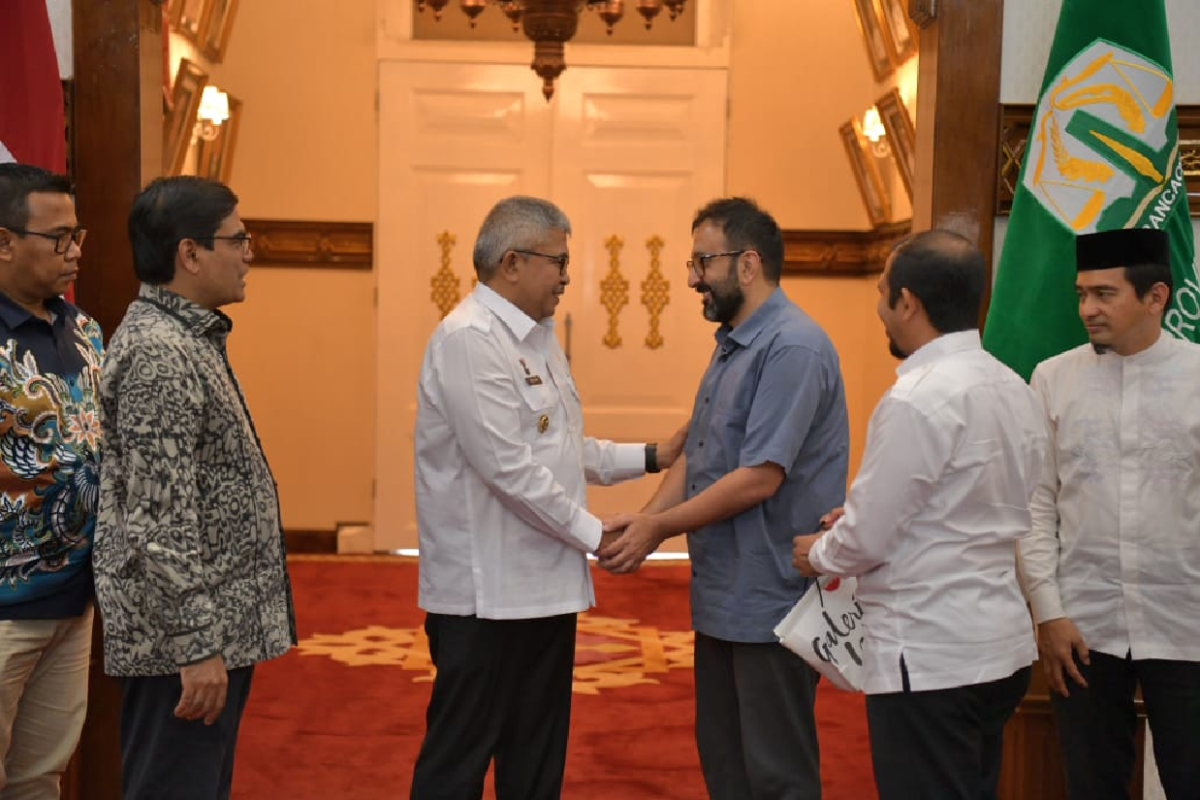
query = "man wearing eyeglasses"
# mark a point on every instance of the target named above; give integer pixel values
(502, 467)
(50, 354)
(766, 452)
(190, 564)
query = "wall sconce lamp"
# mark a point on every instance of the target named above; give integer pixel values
(214, 110)
(872, 128)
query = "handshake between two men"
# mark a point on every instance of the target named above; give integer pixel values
(629, 538)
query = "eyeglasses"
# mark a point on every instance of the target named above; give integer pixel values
(241, 238)
(62, 240)
(562, 260)
(699, 263)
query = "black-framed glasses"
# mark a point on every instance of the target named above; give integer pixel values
(562, 260)
(699, 261)
(62, 240)
(244, 239)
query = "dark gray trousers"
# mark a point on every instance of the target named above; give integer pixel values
(503, 693)
(163, 756)
(1096, 726)
(755, 728)
(944, 743)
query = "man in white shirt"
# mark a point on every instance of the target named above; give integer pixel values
(1112, 564)
(501, 471)
(953, 453)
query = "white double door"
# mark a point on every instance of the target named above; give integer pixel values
(625, 152)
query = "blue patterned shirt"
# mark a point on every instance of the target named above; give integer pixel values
(49, 449)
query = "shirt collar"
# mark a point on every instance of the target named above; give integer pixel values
(13, 314)
(196, 318)
(517, 321)
(944, 345)
(745, 334)
(1155, 352)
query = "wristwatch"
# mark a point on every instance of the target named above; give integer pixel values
(652, 458)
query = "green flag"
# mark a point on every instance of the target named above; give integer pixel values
(1103, 153)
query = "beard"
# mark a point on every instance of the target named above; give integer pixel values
(725, 300)
(895, 350)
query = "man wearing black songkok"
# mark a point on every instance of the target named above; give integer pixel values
(1112, 565)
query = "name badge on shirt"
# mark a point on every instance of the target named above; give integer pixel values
(533, 380)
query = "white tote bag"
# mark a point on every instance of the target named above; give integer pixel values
(825, 629)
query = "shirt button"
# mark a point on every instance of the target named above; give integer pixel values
(693, 487)
(700, 445)
(706, 400)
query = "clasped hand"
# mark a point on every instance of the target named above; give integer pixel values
(626, 541)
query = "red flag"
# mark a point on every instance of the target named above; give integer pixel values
(31, 101)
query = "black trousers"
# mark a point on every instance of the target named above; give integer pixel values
(167, 758)
(503, 692)
(755, 728)
(943, 743)
(1096, 726)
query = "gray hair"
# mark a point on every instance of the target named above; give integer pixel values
(515, 223)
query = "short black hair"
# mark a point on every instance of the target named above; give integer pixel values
(945, 271)
(1142, 278)
(168, 211)
(17, 182)
(747, 227)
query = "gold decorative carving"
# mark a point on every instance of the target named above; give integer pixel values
(304, 244)
(812, 252)
(444, 282)
(614, 291)
(654, 292)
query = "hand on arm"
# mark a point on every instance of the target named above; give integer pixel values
(671, 449)
(204, 685)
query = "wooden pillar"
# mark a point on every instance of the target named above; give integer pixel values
(118, 140)
(117, 122)
(958, 116)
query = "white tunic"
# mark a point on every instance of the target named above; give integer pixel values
(1115, 544)
(502, 467)
(953, 453)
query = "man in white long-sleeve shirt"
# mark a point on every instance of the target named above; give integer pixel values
(1113, 562)
(953, 453)
(501, 472)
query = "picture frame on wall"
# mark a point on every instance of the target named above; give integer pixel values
(215, 37)
(214, 159)
(190, 80)
(901, 136)
(190, 17)
(899, 31)
(874, 38)
(866, 174)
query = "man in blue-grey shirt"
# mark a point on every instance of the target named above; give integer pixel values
(766, 456)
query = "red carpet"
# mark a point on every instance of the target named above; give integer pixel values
(317, 727)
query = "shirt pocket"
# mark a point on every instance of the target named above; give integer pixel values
(538, 405)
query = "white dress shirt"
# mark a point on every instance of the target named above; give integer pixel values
(502, 466)
(954, 451)
(1115, 544)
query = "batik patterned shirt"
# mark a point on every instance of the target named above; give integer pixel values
(190, 559)
(49, 447)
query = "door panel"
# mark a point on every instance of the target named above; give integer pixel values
(624, 152)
